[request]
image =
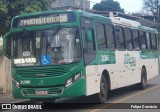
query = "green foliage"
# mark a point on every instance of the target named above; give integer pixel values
(108, 5)
(12, 8)
(151, 7)
(3, 15)
(3, 7)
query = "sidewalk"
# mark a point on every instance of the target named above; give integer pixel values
(10, 99)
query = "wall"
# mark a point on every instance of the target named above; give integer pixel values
(5, 75)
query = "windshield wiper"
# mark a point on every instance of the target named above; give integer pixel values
(52, 37)
(56, 31)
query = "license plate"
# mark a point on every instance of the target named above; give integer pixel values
(41, 92)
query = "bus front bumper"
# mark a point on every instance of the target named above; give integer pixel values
(76, 89)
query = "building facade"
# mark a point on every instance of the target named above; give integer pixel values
(79, 4)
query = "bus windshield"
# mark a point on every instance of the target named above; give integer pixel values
(47, 47)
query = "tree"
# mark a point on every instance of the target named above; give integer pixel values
(108, 5)
(151, 7)
(3, 13)
(12, 8)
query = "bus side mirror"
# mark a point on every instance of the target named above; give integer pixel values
(89, 36)
(7, 45)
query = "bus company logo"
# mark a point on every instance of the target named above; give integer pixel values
(41, 82)
(129, 60)
(6, 106)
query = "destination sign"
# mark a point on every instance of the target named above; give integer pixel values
(44, 19)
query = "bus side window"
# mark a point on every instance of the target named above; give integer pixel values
(110, 37)
(136, 40)
(143, 40)
(88, 46)
(148, 41)
(87, 23)
(101, 35)
(119, 38)
(153, 42)
(128, 39)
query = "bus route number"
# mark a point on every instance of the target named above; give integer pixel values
(104, 58)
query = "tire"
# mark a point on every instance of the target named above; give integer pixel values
(142, 85)
(102, 95)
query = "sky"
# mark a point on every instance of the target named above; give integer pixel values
(128, 5)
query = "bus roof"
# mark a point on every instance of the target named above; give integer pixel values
(120, 21)
(114, 20)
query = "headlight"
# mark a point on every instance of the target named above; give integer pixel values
(69, 82)
(76, 77)
(16, 83)
(73, 79)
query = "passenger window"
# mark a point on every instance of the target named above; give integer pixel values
(142, 40)
(148, 41)
(119, 37)
(128, 39)
(86, 22)
(136, 40)
(101, 36)
(153, 42)
(110, 37)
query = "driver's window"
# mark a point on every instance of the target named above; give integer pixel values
(88, 46)
(87, 24)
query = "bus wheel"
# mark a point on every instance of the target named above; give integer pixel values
(142, 85)
(102, 95)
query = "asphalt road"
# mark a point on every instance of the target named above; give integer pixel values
(127, 95)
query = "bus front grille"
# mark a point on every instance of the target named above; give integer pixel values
(40, 72)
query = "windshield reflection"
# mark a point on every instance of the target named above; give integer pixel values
(47, 47)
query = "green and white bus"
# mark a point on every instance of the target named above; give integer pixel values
(66, 53)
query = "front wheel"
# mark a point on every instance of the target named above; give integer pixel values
(142, 85)
(102, 95)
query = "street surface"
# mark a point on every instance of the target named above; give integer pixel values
(124, 95)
